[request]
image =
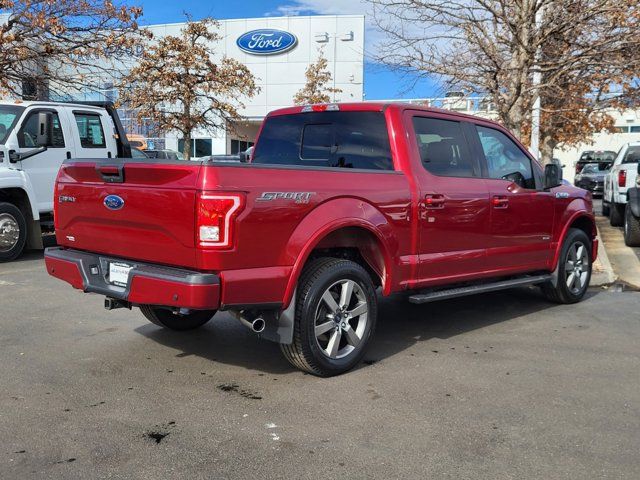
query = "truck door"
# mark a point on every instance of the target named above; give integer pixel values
(522, 214)
(454, 202)
(43, 167)
(93, 134)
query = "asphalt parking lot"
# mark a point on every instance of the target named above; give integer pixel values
(503, 385)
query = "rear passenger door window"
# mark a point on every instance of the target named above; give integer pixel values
(443, 148)
(90, 130)
(505, 160)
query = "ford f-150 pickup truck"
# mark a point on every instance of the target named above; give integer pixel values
(337, 201)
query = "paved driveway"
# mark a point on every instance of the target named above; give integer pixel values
(504, 385)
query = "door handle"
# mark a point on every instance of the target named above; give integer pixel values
(500, 201)
(434, 200)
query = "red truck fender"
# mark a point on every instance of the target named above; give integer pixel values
(575, 216)
(364, 227)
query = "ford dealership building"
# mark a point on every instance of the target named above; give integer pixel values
(277, 50)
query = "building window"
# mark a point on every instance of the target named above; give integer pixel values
(634, 128)
(200, 147)
(238, 146)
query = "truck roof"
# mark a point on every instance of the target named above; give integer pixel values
(29, 103)
(376, 107)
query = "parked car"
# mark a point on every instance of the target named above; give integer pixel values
(164, 154)
(604, 159)
(137, 153)
(591, 178)
(337, 201)
(621, 176)
(35, 138)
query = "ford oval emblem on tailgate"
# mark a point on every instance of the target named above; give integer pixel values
(113, 202)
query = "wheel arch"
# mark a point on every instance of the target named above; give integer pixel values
(582, 221)
(359, 232)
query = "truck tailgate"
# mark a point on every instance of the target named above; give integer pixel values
(130, 209)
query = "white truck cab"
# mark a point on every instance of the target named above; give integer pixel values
(35, 138)
(620, 178)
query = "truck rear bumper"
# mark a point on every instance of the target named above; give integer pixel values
(147, 284)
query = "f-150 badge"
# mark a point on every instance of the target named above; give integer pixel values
(297, 197)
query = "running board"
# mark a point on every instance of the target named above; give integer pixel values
(481, 288)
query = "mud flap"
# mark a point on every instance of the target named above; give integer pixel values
(633, 196)
(279, 327)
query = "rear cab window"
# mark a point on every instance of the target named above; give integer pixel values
(354, 140)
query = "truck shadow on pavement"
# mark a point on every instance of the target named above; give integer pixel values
(401, 325)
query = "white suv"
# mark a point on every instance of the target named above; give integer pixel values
(620, 178)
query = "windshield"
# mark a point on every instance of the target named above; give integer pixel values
(9, 115)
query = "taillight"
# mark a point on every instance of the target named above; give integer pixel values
(215, 218)
(579, 167)
(622, 178)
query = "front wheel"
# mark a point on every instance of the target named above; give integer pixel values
(574, 269)
(631, 228)
(13, 232)
(163, 317)
(336, 311)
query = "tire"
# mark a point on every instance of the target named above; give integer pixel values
(318, 304)
(616, 215)
(164, 317)
(631, 228)
(605, 208)
(567, 291)
(13, 232)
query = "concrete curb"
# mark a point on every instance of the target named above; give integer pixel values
(603, 273)
(623, 260)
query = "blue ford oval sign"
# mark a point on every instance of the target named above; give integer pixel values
(266, 41)
(113, 202)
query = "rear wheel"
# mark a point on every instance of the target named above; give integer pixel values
(574, 269)
(13, 232)
(631, 228)
(616, 214)
(164, 317)
(336, 310)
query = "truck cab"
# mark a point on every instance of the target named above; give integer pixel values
(35, 139)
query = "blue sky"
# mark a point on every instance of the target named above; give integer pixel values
(379, 83)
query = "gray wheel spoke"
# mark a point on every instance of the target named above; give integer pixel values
(569, 266)
(330, 302)
(571, 280)
(334, 344)
(360, 309)
(352, 336)
(580, 252)
(324, 327)
(583, 279)
(346, 292)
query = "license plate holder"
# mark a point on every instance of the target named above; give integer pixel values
(119, 273)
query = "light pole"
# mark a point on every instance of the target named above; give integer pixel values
(537, 79)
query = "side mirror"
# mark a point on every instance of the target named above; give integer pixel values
(552, 176)
(45, 127)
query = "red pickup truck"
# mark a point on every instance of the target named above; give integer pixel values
(337, 201)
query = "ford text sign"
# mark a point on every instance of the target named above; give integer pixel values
(266, 41)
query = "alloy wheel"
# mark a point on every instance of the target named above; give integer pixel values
(576, 267)
(341, 319)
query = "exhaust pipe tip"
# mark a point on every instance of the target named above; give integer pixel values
(258, 325)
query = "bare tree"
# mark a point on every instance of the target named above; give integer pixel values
(46, 44)
(316, 89)
(178, 86)
(585, 50)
